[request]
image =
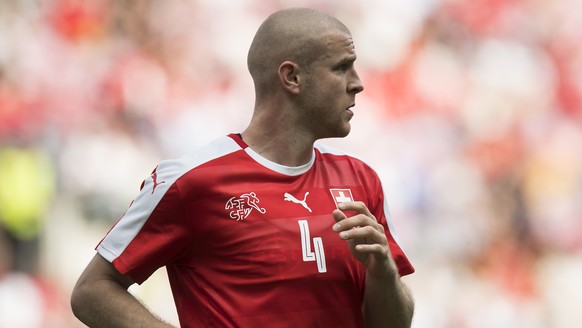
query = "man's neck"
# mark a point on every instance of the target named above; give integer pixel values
(280, 145)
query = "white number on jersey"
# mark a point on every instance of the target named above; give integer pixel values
(308, 255)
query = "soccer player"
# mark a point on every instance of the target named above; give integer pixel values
(264, 228)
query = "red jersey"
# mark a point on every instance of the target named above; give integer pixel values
(249, 243)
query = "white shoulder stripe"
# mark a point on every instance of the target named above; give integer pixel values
(389, 220)
(154, 189)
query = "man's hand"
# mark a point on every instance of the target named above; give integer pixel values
(365, 237)
(387, 301)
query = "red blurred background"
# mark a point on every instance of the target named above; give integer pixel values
(472, 115)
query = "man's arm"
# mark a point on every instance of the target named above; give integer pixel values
(100, 299)
(387, 300)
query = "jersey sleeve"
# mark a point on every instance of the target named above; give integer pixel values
(154, 230)
(379, 208)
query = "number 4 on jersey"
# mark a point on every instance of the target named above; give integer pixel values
(308, 255)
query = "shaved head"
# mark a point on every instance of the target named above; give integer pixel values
(293, 34)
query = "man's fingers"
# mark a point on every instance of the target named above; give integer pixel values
(338, 215)
(359, 220)
(358, 207)
(363, 225)
(364, 233)
(371, 248)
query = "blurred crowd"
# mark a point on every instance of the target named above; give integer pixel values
(472, 115)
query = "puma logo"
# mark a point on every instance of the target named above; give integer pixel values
(156, 183)
(291, 198)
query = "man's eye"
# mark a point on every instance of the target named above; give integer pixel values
(344, 67)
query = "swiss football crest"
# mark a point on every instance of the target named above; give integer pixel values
(341, 196)
(243, 205)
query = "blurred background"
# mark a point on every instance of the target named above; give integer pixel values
(472, 115)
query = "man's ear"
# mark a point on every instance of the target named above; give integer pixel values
(289, 76)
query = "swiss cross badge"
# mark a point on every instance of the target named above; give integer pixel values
(341, 196)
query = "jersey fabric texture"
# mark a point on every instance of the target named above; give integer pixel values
(249, 243)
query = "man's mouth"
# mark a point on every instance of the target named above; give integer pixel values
(348, 109)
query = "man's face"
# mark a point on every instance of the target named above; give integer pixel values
(331, 87)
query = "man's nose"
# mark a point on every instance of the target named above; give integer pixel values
(356, 85)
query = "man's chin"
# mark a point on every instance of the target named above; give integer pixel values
(340, 133)
(346, 130)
